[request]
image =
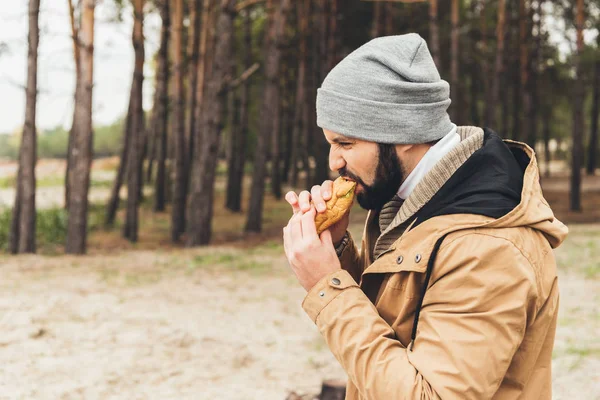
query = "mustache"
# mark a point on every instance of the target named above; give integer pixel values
(345, 174)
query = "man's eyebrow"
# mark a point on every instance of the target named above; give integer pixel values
(339, 139)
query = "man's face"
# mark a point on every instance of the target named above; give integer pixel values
(375, 168)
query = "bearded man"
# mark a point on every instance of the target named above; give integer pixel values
(453, 293)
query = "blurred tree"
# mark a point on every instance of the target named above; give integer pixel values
(161, 109)
(74, 35)
(130, 228)
(593, 143)
(79, 169)
(578, 123)
(434, 32)
(178, 209)
(276, 23)
(457, 108)
(238, 139)
(298, 143)
(192, 83)
(203, 178)
(491, 107)
(22, 237)
(113, 201)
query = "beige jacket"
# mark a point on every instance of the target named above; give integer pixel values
(488, 316)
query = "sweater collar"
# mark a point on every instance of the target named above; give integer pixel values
(433, 155)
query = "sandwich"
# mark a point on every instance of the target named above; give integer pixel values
(338, 205)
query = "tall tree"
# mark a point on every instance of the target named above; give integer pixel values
(160, 115)
(200, 209)
(130, 229)
(593, 144)
(74, 36)
(268, 108)
(298, 144)
(194, 54)
(434, 32)
(578, 124)
(207, 35)
(23, 226)
(534, 67)
(525, 94)
(179, 183)
(498, 66)
(378, 20)
(454, 64)
(79, 171)
(113, 202)
(235, 170)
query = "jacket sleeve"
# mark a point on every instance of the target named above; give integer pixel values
(473, 319)
(351, 259)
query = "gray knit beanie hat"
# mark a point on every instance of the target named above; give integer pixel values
(386, 91)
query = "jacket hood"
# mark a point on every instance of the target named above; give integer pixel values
(500, 180)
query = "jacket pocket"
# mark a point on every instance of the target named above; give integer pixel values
(406, 282)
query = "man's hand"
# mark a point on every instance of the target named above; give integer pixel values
(310, 256)
(319, 194)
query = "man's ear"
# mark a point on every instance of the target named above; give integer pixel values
(404, 148)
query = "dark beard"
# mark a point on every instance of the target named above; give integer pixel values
(388, 178)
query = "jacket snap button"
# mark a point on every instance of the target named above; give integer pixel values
(321, 294)
(335, 281)
(399, 259)
(417, 258)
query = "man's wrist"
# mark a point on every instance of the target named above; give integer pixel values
(339, 247)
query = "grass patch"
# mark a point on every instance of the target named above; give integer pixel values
(238, 261)
(51, 227)
(580, 252)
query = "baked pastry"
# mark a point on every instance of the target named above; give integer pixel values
(338, 205)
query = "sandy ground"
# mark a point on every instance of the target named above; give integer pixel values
(156, 325)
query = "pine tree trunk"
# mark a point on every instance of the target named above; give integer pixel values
(113, 202)
(547, 157)
(190, 127)
(179, 183)
(288, 124)
(534, 71)
(74, 35)
(593, 144)
(377, 27)
(434, 32)
(578, 125)
(204, 69)
(24, 210)
(320, 68)
(200, 211)
(161, 125)
(235, 179)
(498, 66)
(268, 108)
(151, 134)
(79, 172)
(525, 94)
(515, 78)
(130, 229)
(455, 85)
(303, 11)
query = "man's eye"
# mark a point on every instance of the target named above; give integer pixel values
(344, 145)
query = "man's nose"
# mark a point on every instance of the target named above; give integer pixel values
(335, 162)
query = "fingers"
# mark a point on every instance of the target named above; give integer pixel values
(317, 198)
(318, 195)
(309, 229)
(327, 189)
(304, 199)
(295, 227)
(291, 198)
